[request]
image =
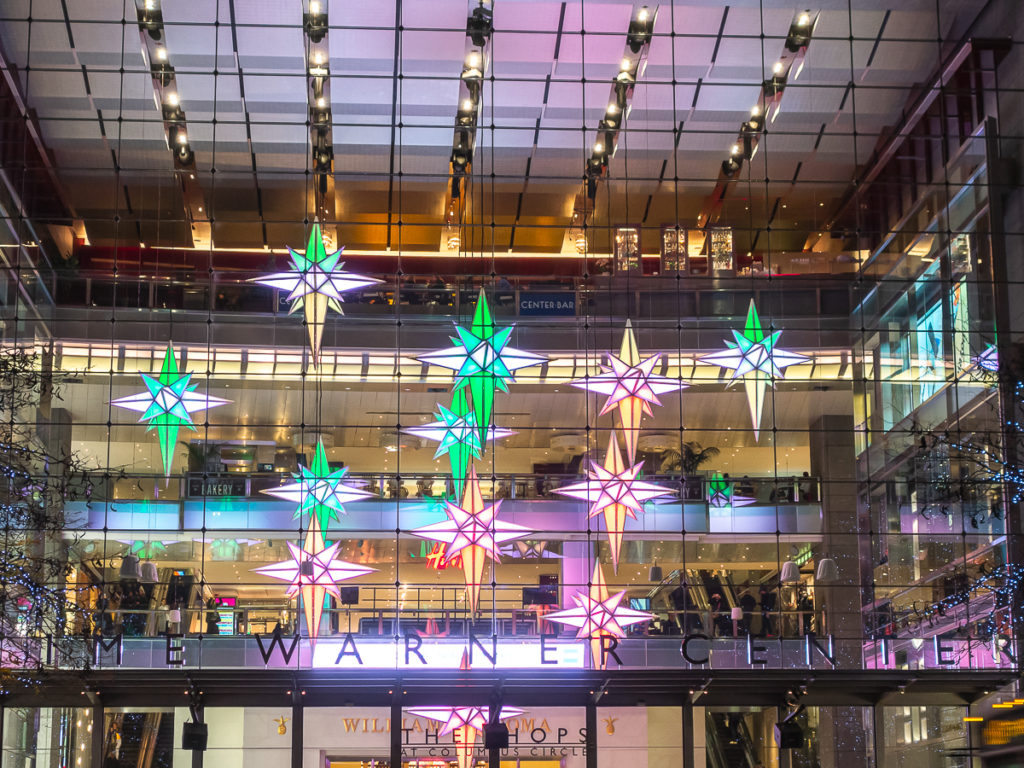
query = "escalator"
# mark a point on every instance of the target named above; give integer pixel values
(728, 741)
(146, 740)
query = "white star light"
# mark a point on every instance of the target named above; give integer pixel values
(755, 360)
(473, 531)
(614, 490)
(597, 615)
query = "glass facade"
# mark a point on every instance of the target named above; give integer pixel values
(645, 378)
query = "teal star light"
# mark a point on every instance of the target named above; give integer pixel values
(168, 403)
(318, 491)
(483, 360)
(755, 359)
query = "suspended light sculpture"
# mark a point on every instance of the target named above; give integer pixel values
(598, 615)
(988, 360)
(458, 435)
(314, 572)
(315, 284)
(755, 359)
(168, 403)
(318, 491)
(722, 494)
(473, 533)
(465, 723)
(483, 361)
(631, 385)
(613, 489)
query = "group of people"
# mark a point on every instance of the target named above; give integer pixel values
(760, 606)
(126, 608)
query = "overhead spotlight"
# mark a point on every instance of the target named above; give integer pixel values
(755, 124)
(640, 29)
(480, 25)
(182, 137)
(625, 65)
(321, 102)
(777, 68)
(731, 166)
(799, 33)
(172, 99)
(473, 60)
(735, 149)
(161, 54)
(315, 23)
(467, 105)
(151, 21)
(599, 148)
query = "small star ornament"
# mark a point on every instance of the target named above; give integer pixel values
(722, 494)
(614, 490)
(473, 532)
(599, 615)
(313, 572)
(319, 491)
(754, 358)
(482, 360)
(632, 387)
(315, 284)
(168, 403)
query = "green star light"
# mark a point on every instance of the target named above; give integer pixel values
(482, 359)
(168, 404)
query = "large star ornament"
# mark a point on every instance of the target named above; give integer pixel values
(631, 386)
(315, 284)
(314, 572)
(614, 490)
(483, 360)
(457, 435)
(473, 532)
(168, 403)
(598, 615)
(755, 359)
(318, 491)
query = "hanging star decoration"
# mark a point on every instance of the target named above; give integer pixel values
(464, 723)
(313, 572)
(458, 436)
(472, 531)
(315, 284)
(988, 360)
(483, 361)
(722, 494)
(631, 385)
(319, 491)
(755, 359)
(599, 615)
(613, 489)
(168, 403)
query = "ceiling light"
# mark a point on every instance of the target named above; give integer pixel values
(150, 5)
(161, 53)
(172, 99)
(321, 102)
(735, 149)
(777, 69)
(318, 58)
(755, 111)
(314, 7)
(467, 105)
(599, 148)
(182, 138)
(612, 109)
(625, 65)
(473, 60)
(642, 16)
(804, 20)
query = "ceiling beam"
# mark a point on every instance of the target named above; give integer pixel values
(475, 63)
(631, 69)
(766, 109)
(168, 102)
(318, 96)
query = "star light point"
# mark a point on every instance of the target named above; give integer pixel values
(631, 385)
(613, 489)
(754, 359)
(315, 284)
(168, 404)
(465, 723)
(314, 571)
(598, 615)
(472, 531)
(319, 491)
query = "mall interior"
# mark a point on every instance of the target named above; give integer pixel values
(519, 383)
